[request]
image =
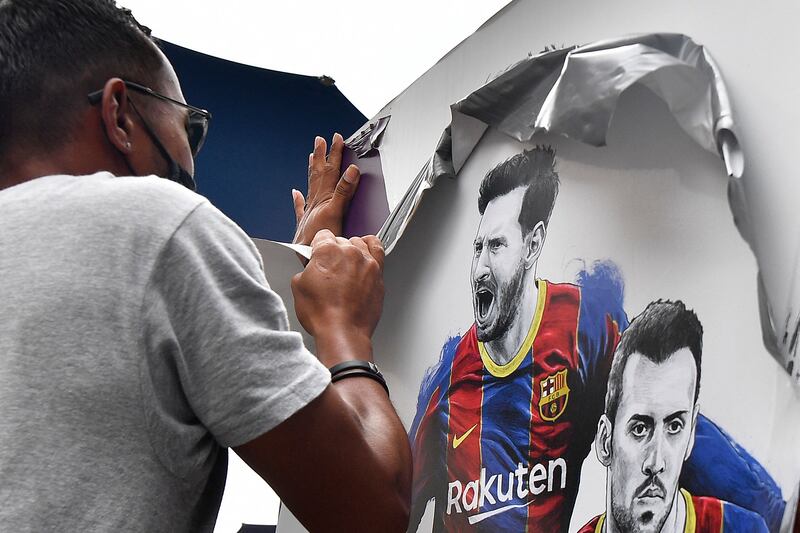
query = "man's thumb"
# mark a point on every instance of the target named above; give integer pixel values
(346, 187)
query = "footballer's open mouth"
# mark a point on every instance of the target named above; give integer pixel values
(484, 300)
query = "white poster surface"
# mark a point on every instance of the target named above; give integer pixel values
(643, 219)
(593, 357)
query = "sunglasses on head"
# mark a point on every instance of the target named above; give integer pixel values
(196, 125)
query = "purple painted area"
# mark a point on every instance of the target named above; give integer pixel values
(369, 208)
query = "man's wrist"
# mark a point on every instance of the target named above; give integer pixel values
(338, 346)
(357, 369)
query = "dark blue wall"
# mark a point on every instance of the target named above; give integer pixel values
(263, 128)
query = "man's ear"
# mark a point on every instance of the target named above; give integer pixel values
(689, 448)
(534, 241)
(116, 112)
(602, 441)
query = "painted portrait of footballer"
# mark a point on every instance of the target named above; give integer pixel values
(647, 432)
(508, 413)
(506, 417)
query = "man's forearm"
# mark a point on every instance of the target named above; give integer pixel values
(337, 345)
(382, 429)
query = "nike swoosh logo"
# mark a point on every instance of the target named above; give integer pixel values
(458, 440)
(474, 519)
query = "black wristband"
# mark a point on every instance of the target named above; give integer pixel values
(367, 366)
(361, 374)
(355, 369)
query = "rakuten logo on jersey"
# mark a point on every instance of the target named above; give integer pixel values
(501, 488)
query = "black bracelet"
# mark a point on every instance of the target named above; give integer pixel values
(369, 366)
(366, 369)
(361, 374)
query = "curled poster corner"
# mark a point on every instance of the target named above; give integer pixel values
(369, 207)
(369, 138)
(731, 152)
(300, 249)
(574, 92)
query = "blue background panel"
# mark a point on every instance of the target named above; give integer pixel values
(263, 128)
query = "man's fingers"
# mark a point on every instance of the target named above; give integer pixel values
(335, 157)
(370, 247)
(375, 247)
(322, 236)
(299, 204)
(318, 155)
(359, 243)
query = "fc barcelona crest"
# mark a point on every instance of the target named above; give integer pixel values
(554, 395)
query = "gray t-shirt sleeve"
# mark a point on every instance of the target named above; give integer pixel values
(218, 347)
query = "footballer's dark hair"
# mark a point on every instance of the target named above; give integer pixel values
(663, 328)
(534, 169)
(53, 53)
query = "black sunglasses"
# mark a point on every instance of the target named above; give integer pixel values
(196, 125)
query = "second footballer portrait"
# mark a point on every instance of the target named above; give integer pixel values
(647, 431)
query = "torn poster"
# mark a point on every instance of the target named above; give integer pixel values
(572, 326)
(574, 92)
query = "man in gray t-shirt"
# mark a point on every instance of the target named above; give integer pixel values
(139, 338)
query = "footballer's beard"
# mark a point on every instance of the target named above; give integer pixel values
(506, 303)
(626, 519)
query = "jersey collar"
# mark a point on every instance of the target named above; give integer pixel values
(501, 371)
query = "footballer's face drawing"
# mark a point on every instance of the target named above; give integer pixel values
(498, 266)
(652, 436)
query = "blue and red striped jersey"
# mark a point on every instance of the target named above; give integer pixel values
(704, 515)
(500, 447)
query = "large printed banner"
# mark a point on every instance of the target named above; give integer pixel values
(572, 337)
(587, 332)
(573, 328)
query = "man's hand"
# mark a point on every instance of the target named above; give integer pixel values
(329, 194)
(341, 291)
(349, 439)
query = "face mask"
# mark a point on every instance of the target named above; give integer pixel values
(176, 172)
